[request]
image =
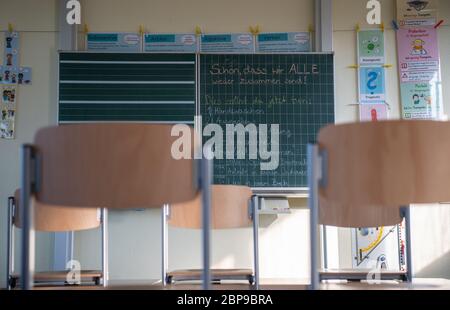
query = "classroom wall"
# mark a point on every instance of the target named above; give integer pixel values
(36, 105)
(134, 236)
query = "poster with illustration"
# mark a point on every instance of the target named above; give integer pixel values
(371, 84)
(7, 128)
(9, 95)
(11, 50)
(9, 75)
(371, 47)
(417, 12)
(419, 101)
(373, 112)
(418, 53)
(24, 76)
(379, 248)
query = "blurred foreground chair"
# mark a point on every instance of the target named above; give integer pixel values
(117, 166)
(55, 219)
(231, 207)
(367, 175)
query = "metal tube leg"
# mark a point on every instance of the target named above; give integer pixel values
(255, 217)
(205, 181)
(313, 208)
(105, 253)
(164, 243)
(10, 249)
(27, 219)
(406, 214)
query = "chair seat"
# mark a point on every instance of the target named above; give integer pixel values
(216, 275)
(60, 276)
(360, 274)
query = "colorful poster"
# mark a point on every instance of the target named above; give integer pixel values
(373, 112)
(417, 52)
(284, 42)
(371, 47)
(24, 76)
(8, 112)
(167, 43)
(9, 75)
(227, 43)
(113, 42)
(11, 50)
(419, 101)
(371, 84)
(417, 13)
(9, 95)
(379, 248)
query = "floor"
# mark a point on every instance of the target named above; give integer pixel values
(270, 284)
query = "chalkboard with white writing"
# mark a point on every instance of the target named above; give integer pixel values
(293, 93)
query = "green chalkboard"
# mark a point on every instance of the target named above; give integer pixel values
(295, 91)
(126, 87)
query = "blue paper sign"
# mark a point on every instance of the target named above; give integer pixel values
(166, 43)
(114, 42)
(371, 84)
(284, 42)
(227, 43)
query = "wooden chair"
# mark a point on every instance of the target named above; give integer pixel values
(231, 207)
(367, 175)
(53, 219)
(119, 166)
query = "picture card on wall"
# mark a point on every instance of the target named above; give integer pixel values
(373, 112)
(24, 76)
(371, 84)
(11, 49)
(371, 47)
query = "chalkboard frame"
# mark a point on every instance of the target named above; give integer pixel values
(275, 192)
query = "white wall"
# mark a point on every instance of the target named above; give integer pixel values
(36, 20)
(134, 236)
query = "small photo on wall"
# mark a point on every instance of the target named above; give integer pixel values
(9, 95)
(7, 115)
(7, 129)
(10, 75)
(24, 76)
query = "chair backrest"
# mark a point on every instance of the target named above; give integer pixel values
(112, 166)
(56, 218)
(372, 169)
(229, 209)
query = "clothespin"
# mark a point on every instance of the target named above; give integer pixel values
(353, 66)
(198, 31)
(439, 24)
(382, 27)
(141, 30)
(254, 30)
(395, 25)
(387, 66)
(10, 27)
(85, 29)
(358, 28)
(310, 28)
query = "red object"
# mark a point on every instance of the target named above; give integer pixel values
(439, 24)
(374, 115)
